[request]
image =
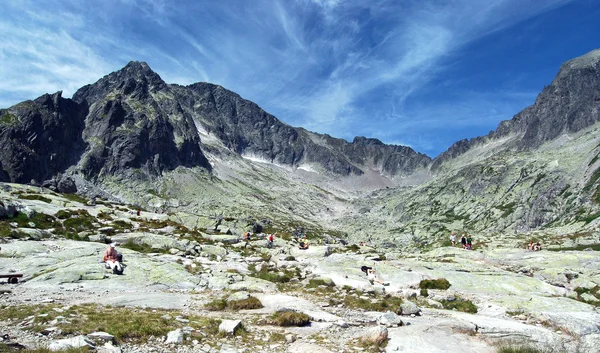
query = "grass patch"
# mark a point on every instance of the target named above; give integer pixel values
(75, 198)
(289, 318)
(216, 305)
(460, 304)
(5, 348)
(126, 324)
(63, 214)
(244, 304)
(521, 348)
(8, 119)
(440, 283)
(375, 304)
(234, 305)
(34, 197)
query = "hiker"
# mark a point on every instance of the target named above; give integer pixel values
(366, 269)
(372, 277)
(463, 241)
(469, 243)
(537, 246)
(247, 236)
(453, 238)
(530, 246)
(139, 212)
(270, 241)
(112, 259)
(303, 243)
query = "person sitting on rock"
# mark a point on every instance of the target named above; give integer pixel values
(303, 243)
(372, 277)
(111, 259)
(537, 246)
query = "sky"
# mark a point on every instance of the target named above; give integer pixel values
(419, 73)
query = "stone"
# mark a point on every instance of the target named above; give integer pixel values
(66, 185)
(174, 337)
(376, 335)
(410, 308)
(389, 319)
(108, 347)
(241, 295)
(289, 338)
(101, 336)
(229, 326)
(73, 342)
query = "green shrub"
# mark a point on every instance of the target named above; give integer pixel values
(63, 214)
(460, 305)
(289, 318)
(440, 283)
(383, 304)
(424, 292)
(216, 305)
(244, 304)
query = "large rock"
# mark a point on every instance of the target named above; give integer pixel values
(230, 326)
(376, 335)
(410, 308)
(66, 185)
(174, 337)
(69, 343)
(389, 319)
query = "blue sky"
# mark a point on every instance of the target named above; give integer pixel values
(418, 73)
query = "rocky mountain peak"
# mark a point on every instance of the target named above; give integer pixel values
(135, 79)
(590, 60)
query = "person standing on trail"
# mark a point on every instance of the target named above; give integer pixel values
(270, 241)
(453, 238)
(463, 241)
(247, 238)
(469, 243)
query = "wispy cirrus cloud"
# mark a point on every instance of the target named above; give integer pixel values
(345, 68)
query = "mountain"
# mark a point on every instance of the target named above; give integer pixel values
(535, 174)
(131, 120)
(204, 150)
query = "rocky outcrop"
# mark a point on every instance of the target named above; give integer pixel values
(569, 104)
(41, 138)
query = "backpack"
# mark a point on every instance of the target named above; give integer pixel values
(365, 269)
(271, 237)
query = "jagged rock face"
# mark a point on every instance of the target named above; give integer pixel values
(132, 126)
(131, 121)
(247, 129)
(40, 138)
(568, 105)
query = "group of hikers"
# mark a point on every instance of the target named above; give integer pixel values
(534, 247)
(465, 241)
(248, 237)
